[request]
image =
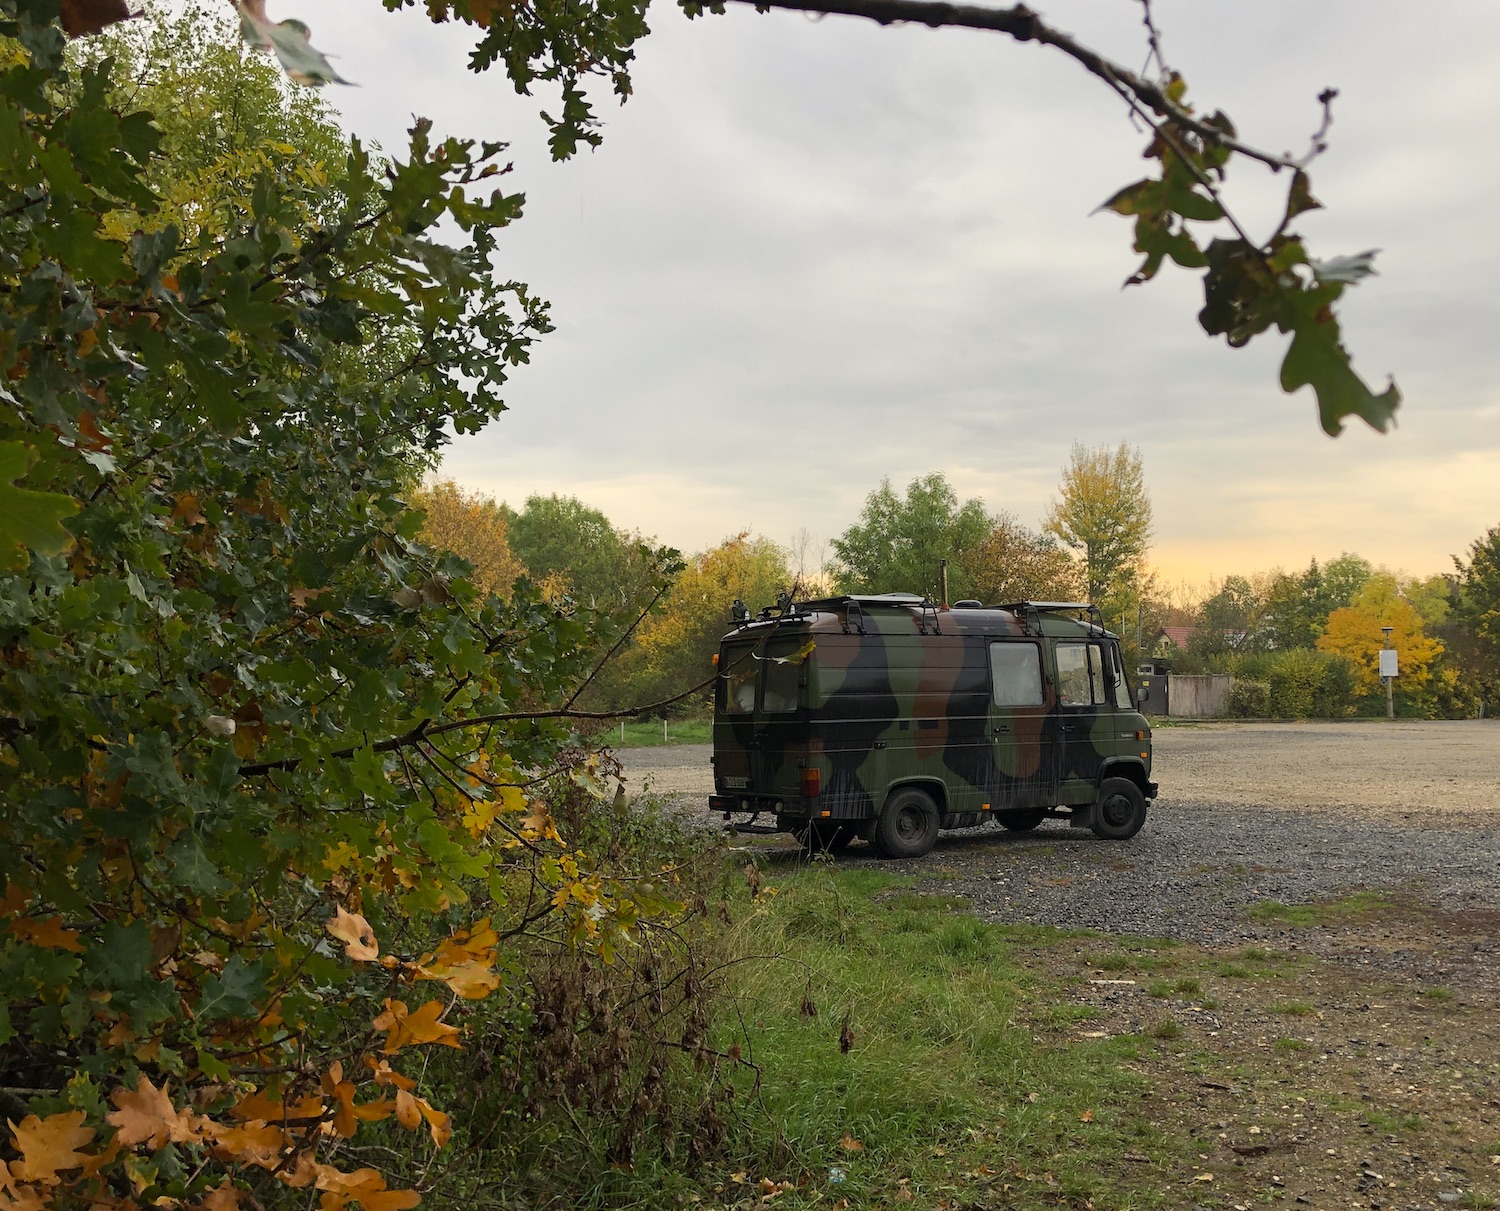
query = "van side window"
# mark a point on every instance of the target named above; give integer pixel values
(1016, 672)
(1080, 674)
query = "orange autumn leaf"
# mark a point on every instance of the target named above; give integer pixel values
(355, 933)
(403, 1028)
(364, 1186)
(14, 901)
(255, 1143)
(51, 933)
(386, 1075)
(187, 508)
(407, 1113)
(1086, 1117)
(223, 1197)
(850, 1144)
(21, 1198)
(540, 824)
(49, 1145)
(145, 1115)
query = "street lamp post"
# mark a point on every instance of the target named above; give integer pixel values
(1388, 672)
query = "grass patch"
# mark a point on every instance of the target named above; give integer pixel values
(1292, 1009)
(654, 733)
(960, 1063)
(1321, 912)
(1438, 993)
(1290, 1045)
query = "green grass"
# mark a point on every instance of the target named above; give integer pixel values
(963, 1066)
(647, 733)
(1323, 912)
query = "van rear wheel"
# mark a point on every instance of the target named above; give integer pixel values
(1120, 810)
(908, 827)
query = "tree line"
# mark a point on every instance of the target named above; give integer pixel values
(1298, 644)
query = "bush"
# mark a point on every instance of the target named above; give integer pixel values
(1249, 699)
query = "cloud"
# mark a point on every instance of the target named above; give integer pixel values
(810, 254)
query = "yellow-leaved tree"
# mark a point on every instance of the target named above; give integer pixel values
(674, 649)
(473, 526)
(1354, 632)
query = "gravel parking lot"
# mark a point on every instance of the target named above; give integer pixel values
(1300, 813)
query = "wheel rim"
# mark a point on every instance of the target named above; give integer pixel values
(1117, 810)
(910, 824)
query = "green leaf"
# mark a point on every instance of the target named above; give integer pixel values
(1299, 199)
(231, 993)
(1144, 197)
(27, 518)
(1317, 359)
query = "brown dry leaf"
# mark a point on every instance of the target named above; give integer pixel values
(904, 1194)
(846, 1037)
(540, 824)
(850, 1144)
(14, 900)
(51, 933)
(145, 1115)
(355, 933)
(188, 509)
(1204, 1177)
(407, 1113)
(255, 1143)
(403, 1028)
(49, 1145)
(767, 1186)
(80, 17)
(1086, 1117)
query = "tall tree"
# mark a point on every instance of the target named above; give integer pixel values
(559, 538)
(1103, 512)
(899, 542)
(1354, 632)
(471, 526)
(1477, 613)
(1016, 563)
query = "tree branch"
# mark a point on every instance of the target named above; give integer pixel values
(1026, 26)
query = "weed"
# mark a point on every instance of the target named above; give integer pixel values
(1232, 971)
(1189, 987)
(1285, 1044)
(1438, 993)
(1293, 1009)
(1323, 912)
(1166, 1028)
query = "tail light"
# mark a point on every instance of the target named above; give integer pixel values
(812, 782)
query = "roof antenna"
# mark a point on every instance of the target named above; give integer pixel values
(943, 573)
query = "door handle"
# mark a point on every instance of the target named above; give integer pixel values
(1001, 729)
(879, 744)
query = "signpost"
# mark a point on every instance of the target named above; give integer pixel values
(1388, 671)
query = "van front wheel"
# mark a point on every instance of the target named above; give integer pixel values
(1120, 811)
(908, 827)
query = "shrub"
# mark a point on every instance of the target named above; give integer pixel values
(1249, 699)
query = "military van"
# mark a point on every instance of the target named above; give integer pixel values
(888, 718)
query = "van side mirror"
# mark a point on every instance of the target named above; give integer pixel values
(1142, 692)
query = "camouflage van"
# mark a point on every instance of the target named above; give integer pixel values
(888, 718)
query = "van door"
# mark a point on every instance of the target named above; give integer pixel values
(1025, 765)
(1081, 699)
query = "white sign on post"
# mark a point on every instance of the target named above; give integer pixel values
(1388, 663)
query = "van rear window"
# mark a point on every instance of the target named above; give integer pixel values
(739, 668)
(779, 694)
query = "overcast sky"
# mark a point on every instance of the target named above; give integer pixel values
(810, 254)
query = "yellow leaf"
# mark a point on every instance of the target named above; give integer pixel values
(403, 1028)
(1086, 1117)
(1204, 1177)
(355, 933)
(49, 1145)
(850, 1144)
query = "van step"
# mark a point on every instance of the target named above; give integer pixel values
(763, 830)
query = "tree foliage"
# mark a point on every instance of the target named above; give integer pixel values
(1103, 512)
(1354, 632)
(576, 549)
(1016, 563)
(1478, 610)
(281, 790)
(899, 542)
(472, 526)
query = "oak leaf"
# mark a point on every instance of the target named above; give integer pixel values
(14, 901)
(49, 1145)
(223, 1197)
(51, 933)
(255, 1143)
(365, 1186)
(403, 1028)
(145, 1115)
(355, 933)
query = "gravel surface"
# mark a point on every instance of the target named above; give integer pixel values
(1249, 813)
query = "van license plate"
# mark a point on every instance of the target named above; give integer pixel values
(736, 784)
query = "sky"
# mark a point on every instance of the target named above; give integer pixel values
(814, 253)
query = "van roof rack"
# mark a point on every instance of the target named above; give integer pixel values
(1030, 612)
(854, 606)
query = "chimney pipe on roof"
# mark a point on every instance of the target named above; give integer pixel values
(943, 572)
